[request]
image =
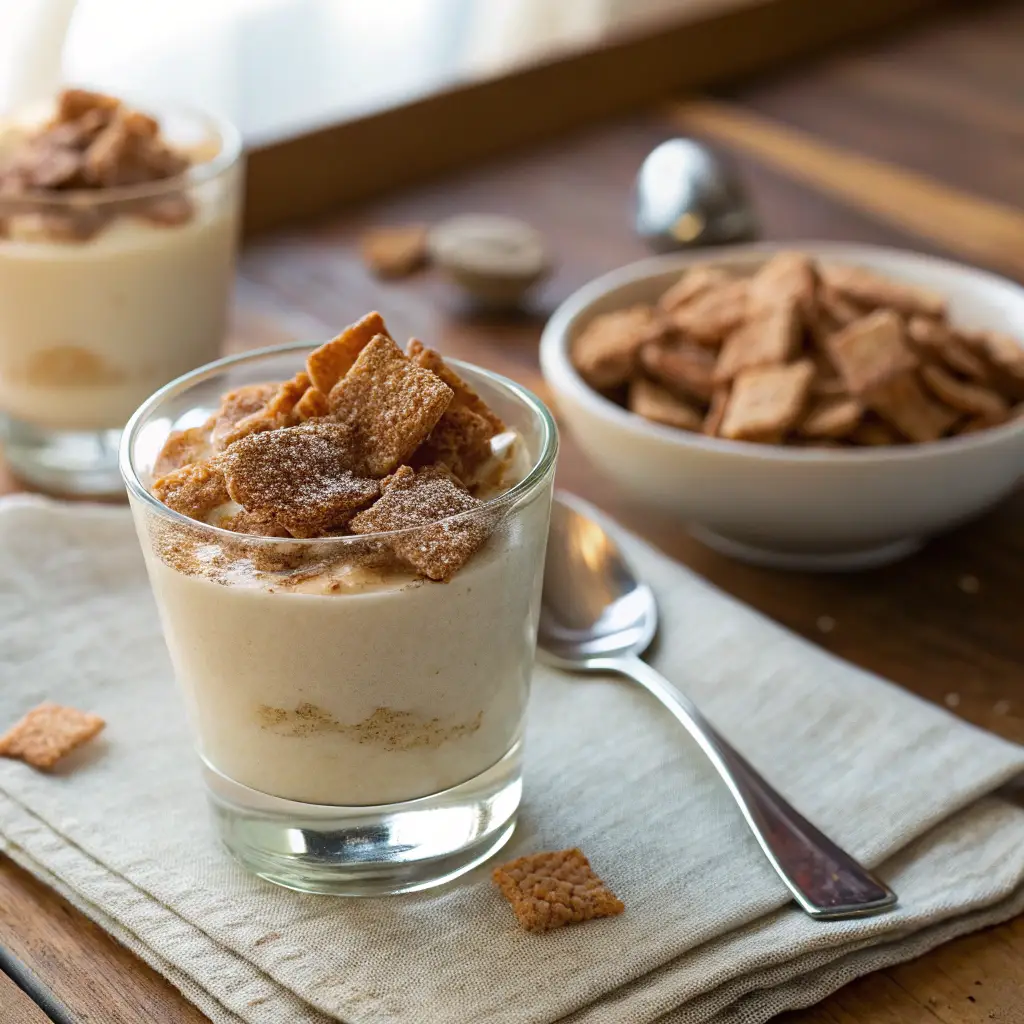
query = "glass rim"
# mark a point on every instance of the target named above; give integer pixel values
(227, 157)
(540, 467)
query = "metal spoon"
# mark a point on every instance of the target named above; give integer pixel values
(686, 197)
(596, 616)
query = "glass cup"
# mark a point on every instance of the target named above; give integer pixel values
(105, 295)
(360, 728)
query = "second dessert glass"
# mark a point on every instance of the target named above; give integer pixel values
(93, 322)
(360, 729)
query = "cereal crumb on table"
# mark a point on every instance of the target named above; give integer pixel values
(49, 732)
(549, 890)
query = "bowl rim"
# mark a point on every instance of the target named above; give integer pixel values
(561, 375)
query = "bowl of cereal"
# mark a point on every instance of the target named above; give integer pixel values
(818, 406)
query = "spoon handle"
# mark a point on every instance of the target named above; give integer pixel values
(826, 881)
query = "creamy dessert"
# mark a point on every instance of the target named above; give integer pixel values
(351, 602)
(116, 262)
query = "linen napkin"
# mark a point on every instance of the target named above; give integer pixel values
(709, 934)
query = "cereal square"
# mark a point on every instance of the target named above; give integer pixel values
(549, 890)
(461, 441)
(684, 369)
(391, 402)
(832, 418)
(237, 405)
(464, 396)
(766, 402)
(903, 403)
(866, 288)
(656, 403)
(965, 396)
(304, 477)
(606, 350)
(693, 284)
(427, 498)
(332, 360)
(395, 251)
(713, 315)
(48, 733)
(194, 490)
(787, 279)
(182, 448)
(769, 341)
(871, 350)
(712, 424)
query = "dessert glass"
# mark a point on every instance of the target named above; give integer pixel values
(90, 326)
(360, 729)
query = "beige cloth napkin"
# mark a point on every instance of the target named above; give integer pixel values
(708, 934)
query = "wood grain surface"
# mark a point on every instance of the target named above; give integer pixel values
(944, 624)
(16, 1007)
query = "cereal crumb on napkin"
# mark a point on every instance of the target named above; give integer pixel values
(49, 732)
(549, 890)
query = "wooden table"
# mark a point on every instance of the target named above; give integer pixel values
(940, 114)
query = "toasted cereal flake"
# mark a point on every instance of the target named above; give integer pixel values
(935, 342)
(182, 448)
(867, 288)
(656, 403)
(332, 360)
(787, 279)
(874, 432)
(49, 732)
(302, 476)
(716, 413)
(75, 103)
(461, 441)
(549, 890)
(970, 398)
(768, 341)
(395, 251)
(277, 413)
(871, 350)
(766, 402)
(237, 405)
(312, 405)
(692, 285)
(605, 353)
(831, 417)
(900, 400)
(715, 314)
(684, 369)
(391, 402)
(427, 498)
(194, 490)
(464, 395)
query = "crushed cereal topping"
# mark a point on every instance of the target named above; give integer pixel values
(93, 142)
(549, 890)
(366, 440)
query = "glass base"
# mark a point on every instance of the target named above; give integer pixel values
(82, 463)
(369, 851)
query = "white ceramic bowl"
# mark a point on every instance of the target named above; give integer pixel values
(793, 507)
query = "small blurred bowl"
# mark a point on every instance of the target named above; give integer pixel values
(798, 508)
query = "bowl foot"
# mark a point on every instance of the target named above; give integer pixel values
(807, 561)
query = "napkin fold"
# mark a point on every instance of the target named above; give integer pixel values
(709, 933)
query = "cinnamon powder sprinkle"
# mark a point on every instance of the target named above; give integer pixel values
(549, 890)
